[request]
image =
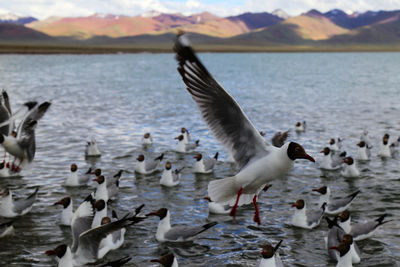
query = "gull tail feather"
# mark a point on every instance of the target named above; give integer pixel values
(223, 190)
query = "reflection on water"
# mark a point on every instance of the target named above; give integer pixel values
(117, 98)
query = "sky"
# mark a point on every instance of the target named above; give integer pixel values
(42, 9)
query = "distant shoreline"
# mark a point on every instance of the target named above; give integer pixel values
(151, 48)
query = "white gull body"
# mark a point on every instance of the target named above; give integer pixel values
(11, 208)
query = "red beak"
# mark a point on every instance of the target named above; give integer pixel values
(294, 205)
(309, 158)
(95, 180)
(50, 252)
(333, 248)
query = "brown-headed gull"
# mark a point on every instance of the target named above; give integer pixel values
(258, 163)
(179, 233)
(270, 256)
(23, 145)
(360, 231)
(385, 150)
(88, 244)
(204, 164)
(185, 147)
(304, 218)
(331, 161)
(67, 212)
(10, 208)
(300, 127)
(75, 178)
(334, 205)
(147, 139)
(345, 259)
(147, 166)
(336, 235)
(167, 260)
(350, 169)
(170, 177)
(363, 151)
(6, 229)
(92, 149)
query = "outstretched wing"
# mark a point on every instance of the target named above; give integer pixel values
(220, 111)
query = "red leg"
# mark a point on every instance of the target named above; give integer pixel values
(233, 210)
(17, 168)
(256, 217)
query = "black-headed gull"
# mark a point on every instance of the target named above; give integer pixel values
(167, 260)
(360, 231)
(258, 163)
(270, 256)
(335, 145)
(334, 205)
(178, 233)
(170, 177)
(148, 166)
(100, 211)
(304, 218)
(186, 135)
(12, 208)
(204, 164)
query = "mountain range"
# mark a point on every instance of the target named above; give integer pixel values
(313, 28)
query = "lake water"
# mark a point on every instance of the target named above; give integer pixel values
(117, 98)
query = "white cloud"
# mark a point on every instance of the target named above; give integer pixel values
(45, 8)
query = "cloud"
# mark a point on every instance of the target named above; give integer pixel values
(45, 8)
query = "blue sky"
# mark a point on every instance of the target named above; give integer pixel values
(46, 8)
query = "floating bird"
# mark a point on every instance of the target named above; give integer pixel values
(216, 208)
(335, 146)
(105, 190)
(186, 135)
(147, 139)
(279, 138)
(365, 138)
(6, 229)
(91, 149)
(74, 179)
(270, 256)
(363, 152)
(170, 178)
(306, 219)
(350, 169)
(204, 165)
(385, 150)
(100, 211)
(177, 233)
(334, 205)
(258, 163)
(300, 127)
(184, 147)
(87, 248)
(67, 212)
(23, 145)
(12, 208)
(168, 260)
(331, 162)
(144, 166)
(117, 263)
(114, 240)
(360, 231)
(336, 235)
(345, 259)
